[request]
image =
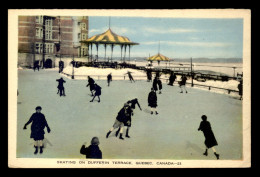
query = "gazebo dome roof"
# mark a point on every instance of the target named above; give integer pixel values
(109, 37)
(158, 57)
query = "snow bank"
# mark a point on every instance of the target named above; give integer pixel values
(101, 73)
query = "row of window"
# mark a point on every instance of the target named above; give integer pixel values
(39, 33)
(48, 48)
(84, 36)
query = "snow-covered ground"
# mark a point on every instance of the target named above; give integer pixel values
(172, 134)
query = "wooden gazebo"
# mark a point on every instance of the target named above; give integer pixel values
(111, 39)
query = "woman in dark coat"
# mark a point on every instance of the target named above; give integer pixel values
(210, 140)
(91, 84)
(172, 79)
(92, 151)
(155, 88)
(37, 128)
(152, 101)
(97, 92)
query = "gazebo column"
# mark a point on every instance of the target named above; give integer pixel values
(105, 50)
(97, 50)
(112, 46)
(125, 52)
(91, 52)
(121, 51)
(129, 51)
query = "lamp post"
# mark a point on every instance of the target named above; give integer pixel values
(234, 75)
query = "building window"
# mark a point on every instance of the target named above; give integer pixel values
(38, 48)
(39, 19)
(48, 29)
(39, 32)
(83, 26)
(79, 36)
(83, 36)
(48, 48)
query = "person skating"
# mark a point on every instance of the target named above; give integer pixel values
(182, 83)
(172, 78)
(91, 84)
(152, 101)
(109, 79)
(60, 87)
(155, 83)
(159, 82)
(240, 89)
(121, 119)
(92, 151)
(97, 92)
(210, 140)
(132, 104)
(130, 76)
(37, 128)
(127, 123)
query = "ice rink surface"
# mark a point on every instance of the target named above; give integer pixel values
(172, 134)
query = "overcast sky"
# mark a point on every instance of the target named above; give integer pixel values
(179, 37)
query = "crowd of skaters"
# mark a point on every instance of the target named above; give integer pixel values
(124, 116)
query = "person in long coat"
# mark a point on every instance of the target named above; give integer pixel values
(172, 78)
(91, 84)
(155, 88)
(60, 87)
(92, 151)
(210, 140)
(159, 82)
(120, 121)
(152, 101)
(109, 79)
(37, 128)
(97, 92)
(149, 75)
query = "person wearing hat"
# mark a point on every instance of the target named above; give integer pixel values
(210, 140)
(109, 79)
(37, 128)
(60, 87)
(152, 101)
(92, 151)
(120, 121)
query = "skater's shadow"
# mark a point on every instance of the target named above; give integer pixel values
(193, 146)
(147, 111)
(45, 143)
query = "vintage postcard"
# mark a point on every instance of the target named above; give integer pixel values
(129, 88)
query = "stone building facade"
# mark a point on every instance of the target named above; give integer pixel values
(49, 39)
